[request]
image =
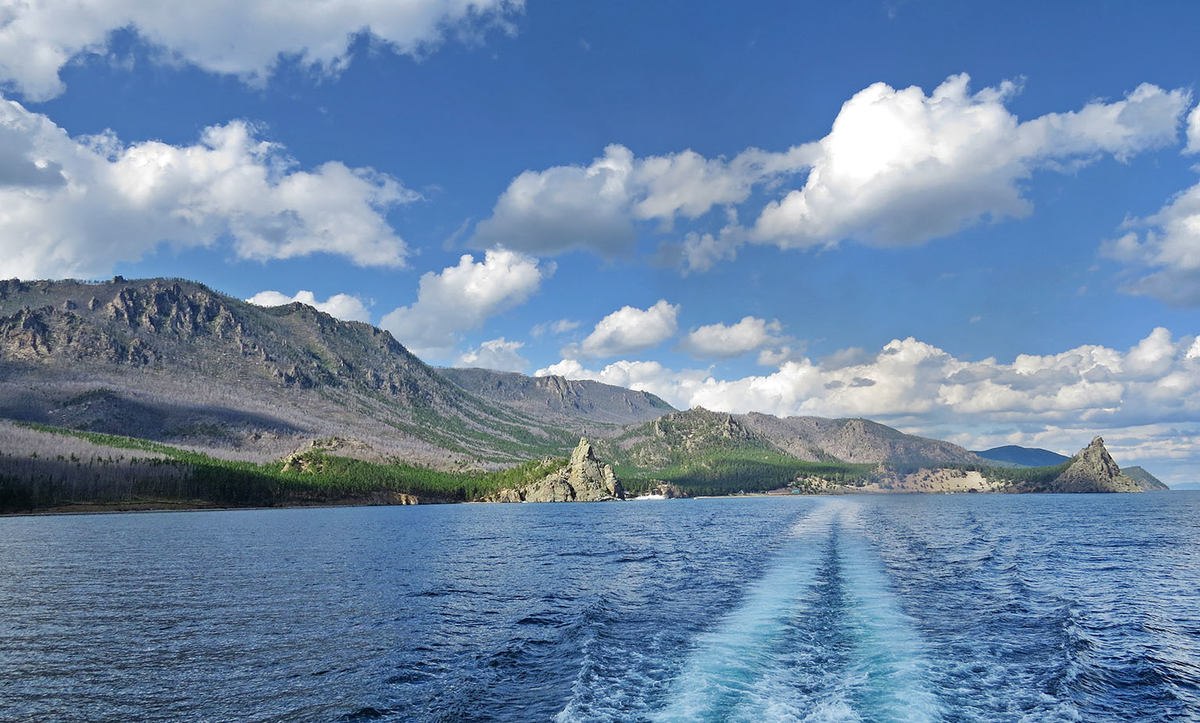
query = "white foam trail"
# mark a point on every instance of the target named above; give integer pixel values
(888, 651)
(722, 679)
(763, 662)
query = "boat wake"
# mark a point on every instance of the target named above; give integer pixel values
(819, 637)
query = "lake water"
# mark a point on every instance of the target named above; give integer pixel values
(892, 608)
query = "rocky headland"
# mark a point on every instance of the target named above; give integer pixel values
(583, 479)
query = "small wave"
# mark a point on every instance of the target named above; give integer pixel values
(541, 621)
(442, 592)
(408, 677)
(366, 713)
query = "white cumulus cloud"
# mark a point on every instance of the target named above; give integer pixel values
(642, 376)
(498, 354)
(244, 38)
(340, 306)
(462, 297)
(628, 330)
(76, 206)
(1166, 254)
(722, 341)
(566, 207)
(596, 206)
(1193, 131)
(898, 167)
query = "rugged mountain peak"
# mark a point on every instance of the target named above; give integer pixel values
(164, 307)
(1096, 457)
(1093, 470)
(698, 422)
(583, 453)
(556, 384)
(591, 479)
(584, 479)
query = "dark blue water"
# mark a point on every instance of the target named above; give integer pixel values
(897, 608)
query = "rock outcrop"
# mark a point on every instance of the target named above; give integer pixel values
(584, 479)
(1093, 470)
(667, 491)
(387, 497)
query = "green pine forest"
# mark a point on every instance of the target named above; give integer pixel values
(156, 474)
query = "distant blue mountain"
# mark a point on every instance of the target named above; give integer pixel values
(1024, 456)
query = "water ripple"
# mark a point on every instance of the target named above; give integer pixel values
(959, 609)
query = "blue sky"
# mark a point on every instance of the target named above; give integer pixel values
(976, 222)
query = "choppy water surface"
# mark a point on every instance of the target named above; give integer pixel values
(914, 609)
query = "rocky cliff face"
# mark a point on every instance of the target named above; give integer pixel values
(584, 479)
(184, 327)
(1092, 470)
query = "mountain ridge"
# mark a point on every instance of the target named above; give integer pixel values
(569, 399)
(174, 362)
(172, 345)
(1146, 481)
(1023, 456)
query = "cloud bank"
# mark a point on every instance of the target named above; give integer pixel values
(923, 388)
(1193, 131)
(77, 206)
(900, 167)
(243, 38)
(721, 341)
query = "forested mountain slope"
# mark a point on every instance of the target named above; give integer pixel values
(196, 383)
(1023, 456)
(174, 360)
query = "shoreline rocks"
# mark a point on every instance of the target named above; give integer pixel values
(584, 479)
